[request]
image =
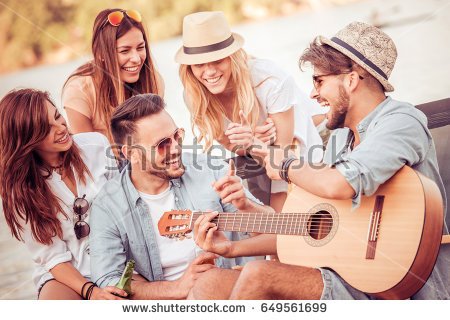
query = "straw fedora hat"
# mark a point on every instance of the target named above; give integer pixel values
(207, 37)
(369, 47)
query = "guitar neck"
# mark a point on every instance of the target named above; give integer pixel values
(275, 223)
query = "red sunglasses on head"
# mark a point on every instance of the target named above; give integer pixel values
(115, 18)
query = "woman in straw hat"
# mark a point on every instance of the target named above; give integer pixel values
(48, 178)
(122, 66)
(238, 100)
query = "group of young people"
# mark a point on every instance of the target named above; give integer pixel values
(84, 209)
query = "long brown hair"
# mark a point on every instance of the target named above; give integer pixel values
(104, 68)
(25, 194)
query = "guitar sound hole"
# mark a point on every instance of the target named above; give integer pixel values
(320, 224)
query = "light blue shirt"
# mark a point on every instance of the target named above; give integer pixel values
(391, 136)
(122, 228)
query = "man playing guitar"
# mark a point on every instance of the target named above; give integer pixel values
(375, 136)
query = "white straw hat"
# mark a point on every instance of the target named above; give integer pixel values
(207, 37)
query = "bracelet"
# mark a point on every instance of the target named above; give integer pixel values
(285, 167)
(82, 289)
(89, 291)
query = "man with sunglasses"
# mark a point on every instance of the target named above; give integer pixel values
(374, 137)
(158, 178)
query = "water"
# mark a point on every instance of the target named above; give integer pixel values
(420, 29)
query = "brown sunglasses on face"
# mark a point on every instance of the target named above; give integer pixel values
(317, 78)
(164, 145)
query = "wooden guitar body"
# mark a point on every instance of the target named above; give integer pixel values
(387, 247)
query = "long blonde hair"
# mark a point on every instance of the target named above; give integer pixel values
(207, 112)
(105, 71)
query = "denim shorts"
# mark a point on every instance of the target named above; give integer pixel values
(42, 285)
(335, 288)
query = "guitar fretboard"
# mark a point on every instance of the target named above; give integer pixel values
(277, 223)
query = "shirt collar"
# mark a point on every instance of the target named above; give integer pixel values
(131, 191)
(364, 124)
(175, 183)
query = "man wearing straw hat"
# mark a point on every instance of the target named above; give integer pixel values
(374, 137)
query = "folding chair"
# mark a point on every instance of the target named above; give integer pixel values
(438, 114)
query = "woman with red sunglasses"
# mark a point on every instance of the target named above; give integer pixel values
(47, 180)
(122, 66)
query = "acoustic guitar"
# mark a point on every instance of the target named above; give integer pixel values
(387, 247)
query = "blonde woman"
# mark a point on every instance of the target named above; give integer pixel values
(122, 66)
(238, 100)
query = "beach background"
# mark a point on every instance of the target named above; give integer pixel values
(419, 28)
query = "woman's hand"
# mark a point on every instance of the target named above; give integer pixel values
(266, 133)
(240, 134)
(107, 293)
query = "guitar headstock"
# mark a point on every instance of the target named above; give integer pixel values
(175, 223)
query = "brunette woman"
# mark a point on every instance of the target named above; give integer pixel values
(122, 66)
(48, 179)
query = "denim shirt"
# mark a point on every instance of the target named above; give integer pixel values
(122, 228)
(394, 134)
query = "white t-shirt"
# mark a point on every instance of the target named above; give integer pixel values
(176, 255)
(277, 92)
(94, 149)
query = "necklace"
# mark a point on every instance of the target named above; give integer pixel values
(58, 169)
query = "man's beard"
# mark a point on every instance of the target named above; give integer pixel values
(163, 173)
(339, 112)
(166, 175)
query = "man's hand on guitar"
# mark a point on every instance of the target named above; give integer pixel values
(208, 238)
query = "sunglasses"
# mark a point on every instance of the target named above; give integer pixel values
(115, 18)
(81, 227)
(317, 78)
(164, 145)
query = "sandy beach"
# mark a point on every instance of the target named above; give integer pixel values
(420, 29)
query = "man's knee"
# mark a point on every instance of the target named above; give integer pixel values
(255, 273)
(214, 284)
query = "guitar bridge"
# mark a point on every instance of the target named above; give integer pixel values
(374, 227)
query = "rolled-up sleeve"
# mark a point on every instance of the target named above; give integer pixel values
(396, 140)
(107, 252)
(47, 256)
